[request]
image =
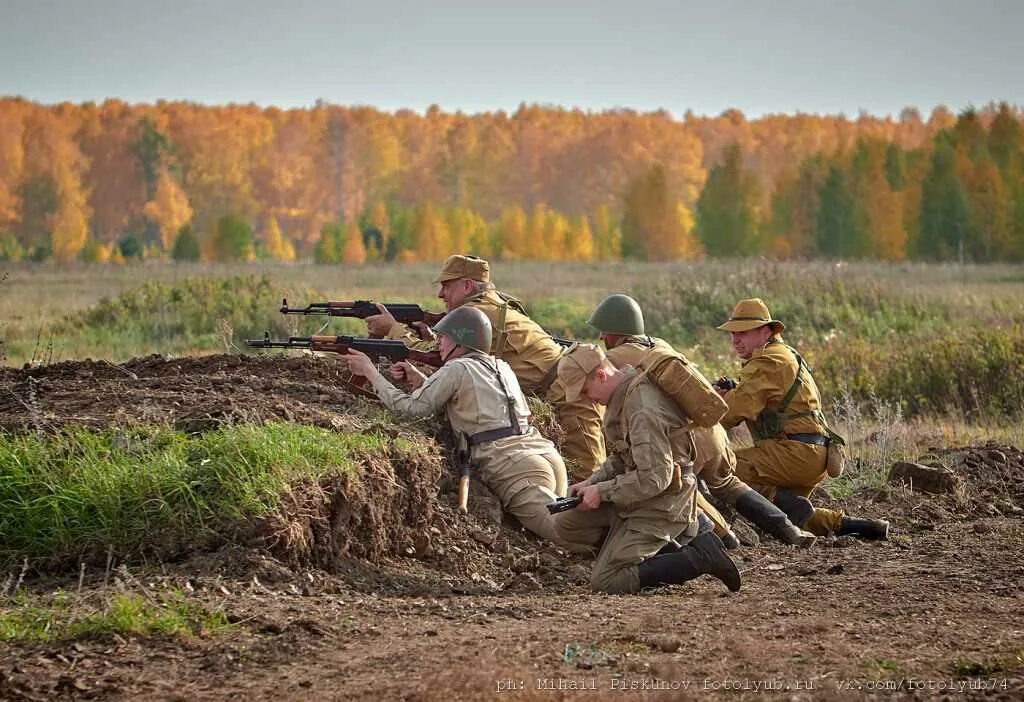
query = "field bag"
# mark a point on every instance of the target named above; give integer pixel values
(836, 456)
(680, 380)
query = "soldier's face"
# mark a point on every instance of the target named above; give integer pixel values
(454, 292)
(746, 342)
(611, 340)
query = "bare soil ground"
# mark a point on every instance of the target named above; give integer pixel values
(452, 606)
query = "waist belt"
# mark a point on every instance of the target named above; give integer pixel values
(494, 434)
(813, 439)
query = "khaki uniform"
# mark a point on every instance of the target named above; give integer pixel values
(525, 471)
(777, 461)
(715, 461)
(647, 486)
(533, 356)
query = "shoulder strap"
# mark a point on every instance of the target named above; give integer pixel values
(797, 382)
(513, 428)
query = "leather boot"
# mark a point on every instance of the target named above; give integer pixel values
(772, 520)
(871, 529)
(704, 555)
(797, 507)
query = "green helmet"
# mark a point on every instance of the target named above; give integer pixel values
(618, 314)
(467, 326)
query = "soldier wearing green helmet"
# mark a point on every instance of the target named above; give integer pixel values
(487, 409)
(620, 321)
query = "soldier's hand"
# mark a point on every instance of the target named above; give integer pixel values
(591, 498)
(724, 385)
(403, 370)
(380, 324)
(422, 330)
(358, 363)
(577, 488)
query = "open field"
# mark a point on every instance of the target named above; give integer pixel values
(235, 525)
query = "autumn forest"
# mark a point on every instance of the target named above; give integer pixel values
(181, 181)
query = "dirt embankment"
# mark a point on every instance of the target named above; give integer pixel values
(398, 504)
(375, 586)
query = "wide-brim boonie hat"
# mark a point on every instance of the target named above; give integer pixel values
(751, 314)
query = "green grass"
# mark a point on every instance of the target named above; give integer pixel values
(77, 495)
(55, 619)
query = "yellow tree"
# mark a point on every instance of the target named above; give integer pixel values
(607, 235)
(556, 237)
(535, 248)
(55, 208)
(277, 246)
(580, 243)
(430, 235)
(168, 210)
(510, 239)
(354, 251)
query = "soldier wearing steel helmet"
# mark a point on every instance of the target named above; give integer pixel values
(620, 321)
(777, 398)
(522, 343)
(484, 404)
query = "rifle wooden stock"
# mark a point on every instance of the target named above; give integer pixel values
(374, 348)
(403, 312)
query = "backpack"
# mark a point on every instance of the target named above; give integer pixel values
(680, 380)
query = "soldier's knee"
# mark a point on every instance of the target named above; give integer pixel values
(616, 581)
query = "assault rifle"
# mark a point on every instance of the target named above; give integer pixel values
(392, 349)
(403, 312)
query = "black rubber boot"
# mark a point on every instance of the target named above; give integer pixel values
(772, 520)
(797, 507)
(871, 529)
(704, 555)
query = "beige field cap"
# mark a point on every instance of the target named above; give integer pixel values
(751, 314)
(464, 266)
(575, 366)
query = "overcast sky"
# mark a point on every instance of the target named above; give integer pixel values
(761, 57)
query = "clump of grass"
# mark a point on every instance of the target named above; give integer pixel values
(78, 495)
(816, 302)
(169, 614)
(978, 373)
(176, 318)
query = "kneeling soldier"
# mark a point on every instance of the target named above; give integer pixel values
(777, 398)
(621, 323)
(643, 498)
(484, 404)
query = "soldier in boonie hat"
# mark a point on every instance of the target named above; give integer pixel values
(794, 448)
(751, 314)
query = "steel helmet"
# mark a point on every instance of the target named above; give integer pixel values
(618, 314)
(466, 326)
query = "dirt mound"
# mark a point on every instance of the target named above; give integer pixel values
(192, 394)
(986, 482)
(390, 526)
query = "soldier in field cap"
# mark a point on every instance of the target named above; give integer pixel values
(794, 449)
(523, 344)
(640, 507)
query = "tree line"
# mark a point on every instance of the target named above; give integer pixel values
(114, 181)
